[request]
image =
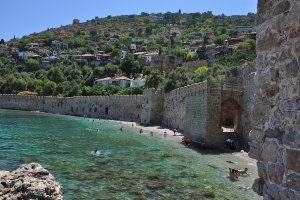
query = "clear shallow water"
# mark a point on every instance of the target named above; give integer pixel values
(131, 166)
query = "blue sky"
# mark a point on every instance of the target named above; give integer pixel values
(22, 17)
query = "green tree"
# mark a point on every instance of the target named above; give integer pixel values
(49, 88)
(154, 78)
(76, 21)
(32, 64)
(56, 74)
(130, 66)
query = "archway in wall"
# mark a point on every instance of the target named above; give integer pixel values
(229, 115)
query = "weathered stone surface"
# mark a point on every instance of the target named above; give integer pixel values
(30, 181)
(275, 173)
(262, 170)
(277, 87)
(292, 68)
(282, 7)
(258, 186)
(274, 133)
(269, 153)
(289, 194)
(292, 181)
(292, 160)
(272, 191)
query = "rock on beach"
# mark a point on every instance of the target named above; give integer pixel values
(29, 181)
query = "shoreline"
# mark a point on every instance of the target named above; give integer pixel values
(158, 131)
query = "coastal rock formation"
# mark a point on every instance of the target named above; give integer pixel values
(275, 138)
(30, 181)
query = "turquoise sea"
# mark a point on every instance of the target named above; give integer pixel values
(130, 166)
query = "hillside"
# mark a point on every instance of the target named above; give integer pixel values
(167, 50)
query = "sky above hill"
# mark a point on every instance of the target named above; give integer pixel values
(21, 18)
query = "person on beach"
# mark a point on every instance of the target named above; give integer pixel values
(141, 131)
(186, 140)
(174, 130)
(165, 133)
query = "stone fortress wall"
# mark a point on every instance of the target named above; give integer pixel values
(106, 107)
(275, 136)
(194, 109)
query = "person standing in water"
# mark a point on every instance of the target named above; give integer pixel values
(121, 129)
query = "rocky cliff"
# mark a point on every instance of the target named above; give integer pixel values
(30, 181)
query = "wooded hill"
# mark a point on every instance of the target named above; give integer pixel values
(67, 60)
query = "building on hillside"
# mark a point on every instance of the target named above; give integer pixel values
(251, 35)
(114, 40)
(4, 48)
(58, 45)
(49, 60)
(232, 41)
(175, 32)
(123, 55)
(103, 81)
(137, 82)
(63, 56)
(146, 58)
(193, 50)
(25, 55)
(33, 46)
(122, 81)
(244, 28)
(132, 47)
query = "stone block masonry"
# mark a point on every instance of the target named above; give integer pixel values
(275, 135)
(116, 107)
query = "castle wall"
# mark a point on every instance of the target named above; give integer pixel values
(107, 107)
(187, 109)
(275, 136)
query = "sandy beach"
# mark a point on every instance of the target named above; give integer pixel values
(158, 131)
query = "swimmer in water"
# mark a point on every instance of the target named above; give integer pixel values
(96, 152)
(97, 129)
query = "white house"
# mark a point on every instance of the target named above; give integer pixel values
(122, 81)
(113, 40)
(137, 82)
(147, 58)
(123, 55)
(132, 46)
(103, 81)
(23, 55)
(193, 50)
(175, 31)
